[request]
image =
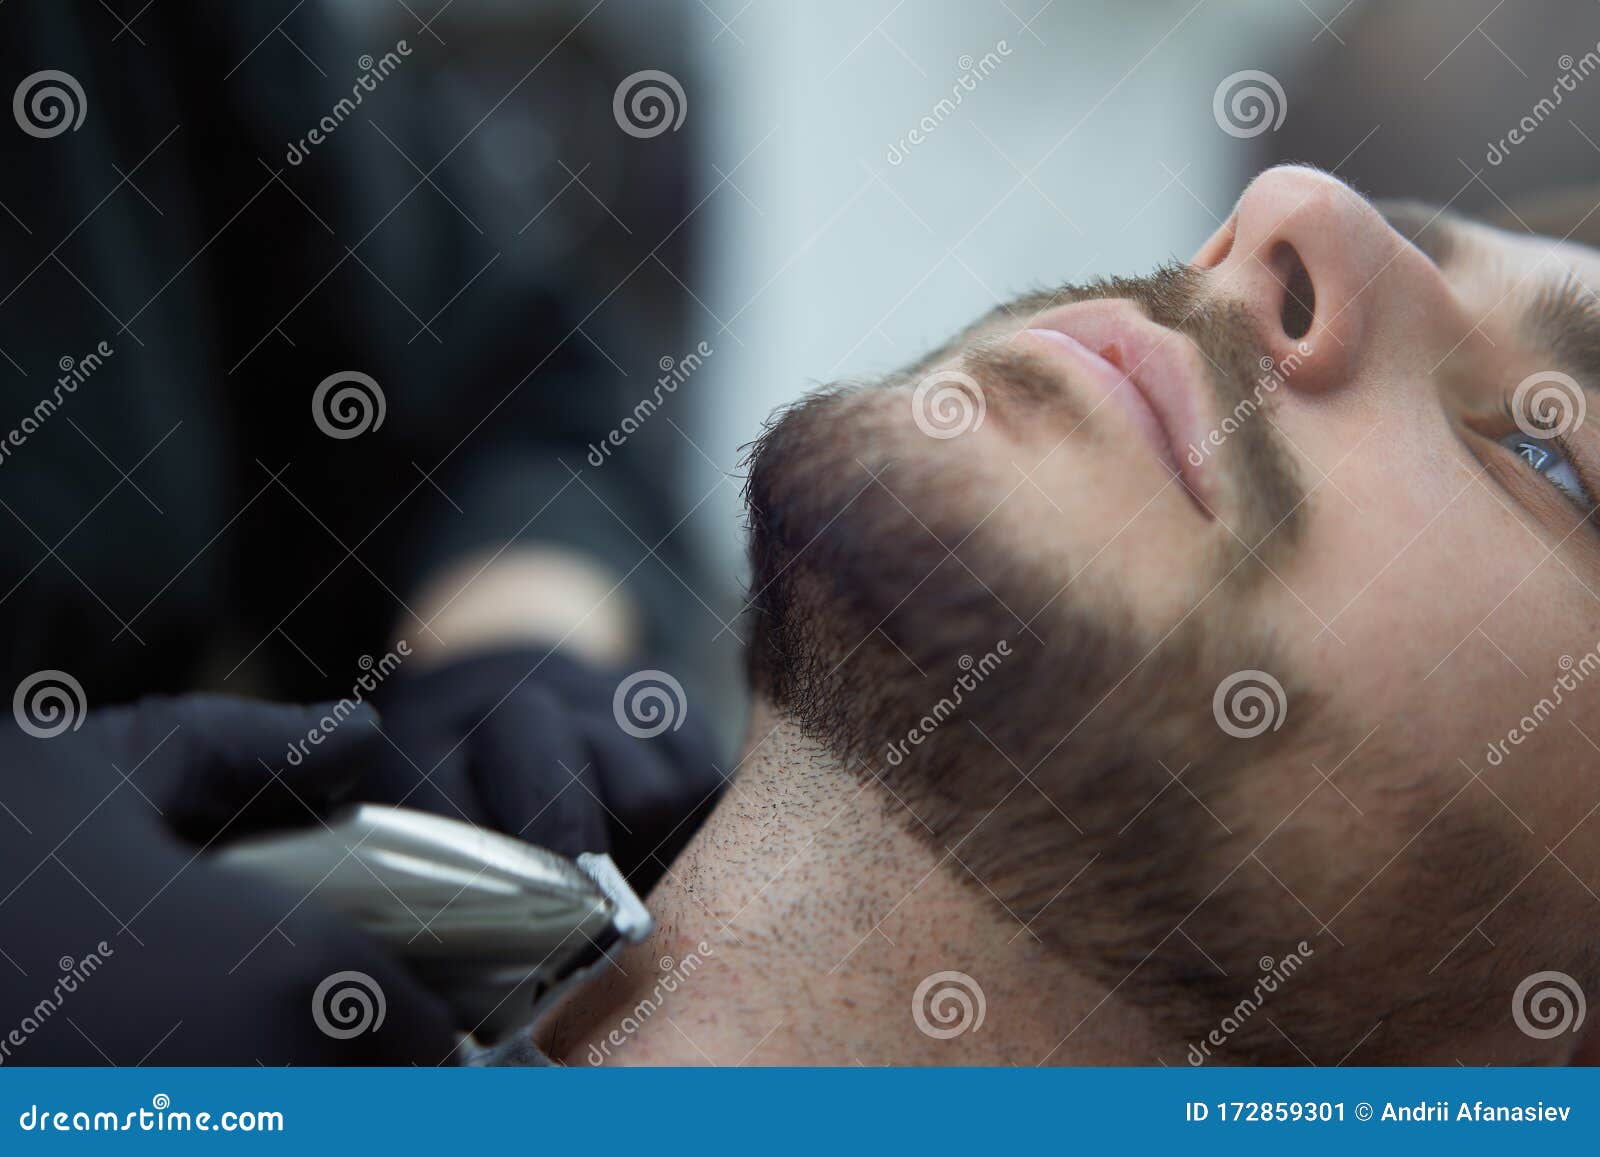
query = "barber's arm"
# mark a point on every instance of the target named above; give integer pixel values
(124, 943)
(505, 715)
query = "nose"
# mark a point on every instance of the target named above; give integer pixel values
(1301, 253)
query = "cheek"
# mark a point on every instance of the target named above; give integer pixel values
(1473, 650)
(1536, 738)
(1431, 607)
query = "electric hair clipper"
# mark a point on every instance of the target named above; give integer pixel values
(490, 923)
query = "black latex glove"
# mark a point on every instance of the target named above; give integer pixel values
(526, 743)
(167, 958)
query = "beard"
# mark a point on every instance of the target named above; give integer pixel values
(1068, 753)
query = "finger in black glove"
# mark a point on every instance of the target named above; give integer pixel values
(106, 866)
(527, 742)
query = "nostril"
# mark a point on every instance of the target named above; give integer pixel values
(1299, 303)
(1299, 295)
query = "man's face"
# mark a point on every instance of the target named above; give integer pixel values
(1344, 454)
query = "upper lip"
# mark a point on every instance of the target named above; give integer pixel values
(1112, 346)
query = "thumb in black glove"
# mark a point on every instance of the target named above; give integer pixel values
(192, 963)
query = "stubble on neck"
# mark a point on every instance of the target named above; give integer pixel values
(803, 922)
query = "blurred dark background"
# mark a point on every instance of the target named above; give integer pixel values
(472, 233)
(1428, 100)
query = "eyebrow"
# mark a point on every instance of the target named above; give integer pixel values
(1564, 316)
(1567, 319)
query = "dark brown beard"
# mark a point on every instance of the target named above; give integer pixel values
(877, 585)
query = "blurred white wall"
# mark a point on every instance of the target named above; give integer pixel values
(1089, 148)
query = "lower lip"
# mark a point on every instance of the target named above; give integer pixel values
(1116, 386)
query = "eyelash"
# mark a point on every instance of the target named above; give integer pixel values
(1573, 486)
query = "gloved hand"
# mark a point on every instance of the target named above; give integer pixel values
(527, 742)
(122, 943)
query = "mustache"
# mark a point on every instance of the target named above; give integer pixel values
(1240, 380)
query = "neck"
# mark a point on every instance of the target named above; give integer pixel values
(798, 926)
